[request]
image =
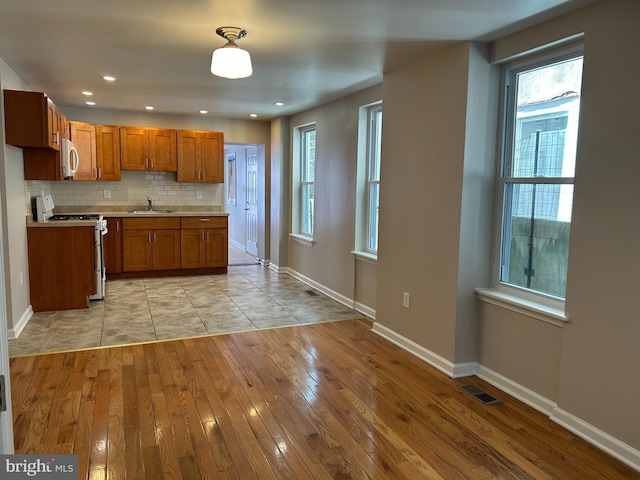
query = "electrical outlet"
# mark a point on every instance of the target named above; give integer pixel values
(107, 194)
(198, 194)
(406, 299)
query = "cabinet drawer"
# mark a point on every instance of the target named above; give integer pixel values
(203, 222)
(151, 223)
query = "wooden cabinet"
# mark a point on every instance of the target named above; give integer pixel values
(56, 281)
(148, 149)
(83, 136)
(150, 244)
(108, 152)
(200, 156)
(112, 246)
(32, 120)
(204, 242)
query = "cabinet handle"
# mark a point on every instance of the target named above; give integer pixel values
(202, 236)
(99, 172)
(151, 164)
(117, 225)
(57, 138)
(205, 219)
(204, 175)
(149, 237)
(155, 238)
(146, 163)
(207, 236)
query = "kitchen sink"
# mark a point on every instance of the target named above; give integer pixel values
(151, 212)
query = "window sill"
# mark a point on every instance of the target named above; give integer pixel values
(529, 308)
(304, 240)
(366, 256)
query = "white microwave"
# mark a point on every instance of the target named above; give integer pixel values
(69, 158)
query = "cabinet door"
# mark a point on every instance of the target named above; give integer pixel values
(54, 122)
(166, 249)
(108, 152)
(112, 246)
(192, 249)
(162, 150)
(83, 136)
(188, 156)
(137, 250)
(217, 248)
(212, 157)
(134, 148)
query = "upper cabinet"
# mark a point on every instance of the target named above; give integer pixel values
(148, 149)
(33, 121)
(83, 136)
(200, 156)
(108, 152)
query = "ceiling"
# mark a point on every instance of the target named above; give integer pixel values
(304, 52)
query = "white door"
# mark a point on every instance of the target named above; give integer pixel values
(251, 207)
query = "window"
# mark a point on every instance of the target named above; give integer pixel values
(304, 178)
(368, 180)
(374, 144)
(542, 99)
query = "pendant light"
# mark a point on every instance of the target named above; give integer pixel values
(231, 61)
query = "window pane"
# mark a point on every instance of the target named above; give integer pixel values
(546, 120)
(308, 155)
(535, 244)
(375, 144)
(374, 189)
(307, 209)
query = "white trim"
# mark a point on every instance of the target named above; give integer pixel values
(14, 333)
(303, 239)
(516, 304)
(516, 390)
(338, 297)
(277, 269)
(367, 257)
(365, 310)
(433, 359)
(614, 447)
(237, 244)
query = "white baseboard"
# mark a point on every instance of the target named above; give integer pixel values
(338, 297)
(236, 244)
(365, 310)
(516, 390)
(275, 268)
(433, 359)
(14, 333)
(614, 447)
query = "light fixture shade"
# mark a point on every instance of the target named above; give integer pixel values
(231, 61)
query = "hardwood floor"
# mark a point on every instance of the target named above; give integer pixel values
(329, 400)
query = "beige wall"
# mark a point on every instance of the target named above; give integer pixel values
(280, 186)
(422, 205)
(596, 371)
(329, 262)
(14, 230)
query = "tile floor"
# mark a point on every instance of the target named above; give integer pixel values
(246, 298)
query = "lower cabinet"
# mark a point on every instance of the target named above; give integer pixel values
(56, 281)
(112, 246)
(204, 242)
(137, 247)
(150, 244)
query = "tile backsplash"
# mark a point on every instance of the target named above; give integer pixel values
(131, 191)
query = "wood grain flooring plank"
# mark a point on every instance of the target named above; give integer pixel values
(316, 402)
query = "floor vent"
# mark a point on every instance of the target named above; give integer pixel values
(312, 293)
(480, 394)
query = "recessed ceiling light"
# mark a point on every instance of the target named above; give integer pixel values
(253, 115)
(109, 78)
(87, 93)
(90, 103)
(203, 112)
(279, 104)
(148, 107)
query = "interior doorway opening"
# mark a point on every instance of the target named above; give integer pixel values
(244, 201)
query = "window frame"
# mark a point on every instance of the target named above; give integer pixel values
(302, 183)
(372, 142)
(502, 292)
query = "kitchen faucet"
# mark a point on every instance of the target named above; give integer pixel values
(150, 205)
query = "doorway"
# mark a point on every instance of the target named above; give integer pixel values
(244, 201)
